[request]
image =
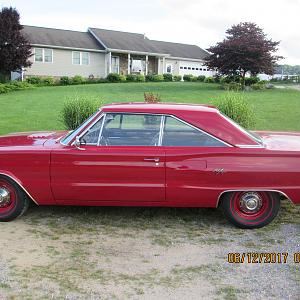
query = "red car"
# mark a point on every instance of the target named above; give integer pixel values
(138, 154)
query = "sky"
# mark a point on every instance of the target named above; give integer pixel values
(185, 21)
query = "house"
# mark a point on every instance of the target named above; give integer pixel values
(98, 52)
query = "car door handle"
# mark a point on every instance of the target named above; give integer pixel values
(155, 159)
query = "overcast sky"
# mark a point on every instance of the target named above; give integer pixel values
(187, 21)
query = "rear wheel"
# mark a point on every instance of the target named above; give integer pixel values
(13, 201)
(250, 209)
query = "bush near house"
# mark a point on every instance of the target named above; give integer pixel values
(201, 78)
(131, 78)
(177, 77)
(188, 77)
(158, 78)
(114, 77)
(209, 80)
(140, 78)
(168, 77)
(14, 86)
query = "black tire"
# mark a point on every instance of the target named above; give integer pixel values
(234, 210)
(19, 201)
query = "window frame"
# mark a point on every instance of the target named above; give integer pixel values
(43, 55)
(118, 60)
(80, 58)
(161, 130)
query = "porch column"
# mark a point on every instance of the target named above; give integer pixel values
(158, 66)
(147, 60)
(164, 65)
(128, 67)
(109, 62)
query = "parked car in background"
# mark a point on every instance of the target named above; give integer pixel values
(139, 154)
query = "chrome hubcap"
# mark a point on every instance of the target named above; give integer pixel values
(4, 197)
(251, 202)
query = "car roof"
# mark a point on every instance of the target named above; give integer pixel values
(157, 107)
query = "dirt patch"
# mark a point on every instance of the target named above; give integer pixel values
(143, 253)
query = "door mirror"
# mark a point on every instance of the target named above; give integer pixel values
(78, 143)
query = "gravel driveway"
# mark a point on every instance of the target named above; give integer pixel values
(144, 253)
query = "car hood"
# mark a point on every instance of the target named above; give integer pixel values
(285, 141)
(29, 138)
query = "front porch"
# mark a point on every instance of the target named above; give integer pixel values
(131, 63)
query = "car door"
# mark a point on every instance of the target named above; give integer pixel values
(119, 163)
(190, 154)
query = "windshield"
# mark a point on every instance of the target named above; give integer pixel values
(251, 134)
(72, 134)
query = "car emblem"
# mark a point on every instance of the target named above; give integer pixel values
(219, 171)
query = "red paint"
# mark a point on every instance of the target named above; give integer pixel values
(53, 173)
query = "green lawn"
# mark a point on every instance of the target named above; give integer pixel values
(39, 109)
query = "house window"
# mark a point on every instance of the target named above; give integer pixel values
(138, 66)
(169, 69)
(115, 64)
(181, 68)
(43, 55)
(80, 58)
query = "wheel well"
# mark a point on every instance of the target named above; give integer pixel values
(281, 195)
(30, 198)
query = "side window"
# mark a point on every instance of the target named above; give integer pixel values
(131, 130)
(92, 135)
(177, 133)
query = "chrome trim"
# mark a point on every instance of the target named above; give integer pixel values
(5, 198)
(251, 146)
(161, 130)
(84, 131)
(152, 114)
(17, 181)
(253, 190)
(101, 130)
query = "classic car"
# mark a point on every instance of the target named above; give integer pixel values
(141, 154)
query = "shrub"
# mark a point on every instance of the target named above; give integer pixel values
(168, 77)
(158, 78)
(76, 111)
(48, 81)
(201, 78)
(140, 78)
(251, 80)
(235, 107)
(114, 77)
(122, 78)
(152, 98)
(258, 86)
(232, 86)
(77, 79)
(177, 77)
(188, 77)
(217, 78)
(3, 88)
(149, 77)
(14, 86)
(209, 80)
(131, 77)
(34, 80)
(65, 80)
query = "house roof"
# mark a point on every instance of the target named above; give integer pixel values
(138, 42)
(180, 50)
(101, 39)
(61, 38)
(124, 40)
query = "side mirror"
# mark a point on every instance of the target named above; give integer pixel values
(78, 144)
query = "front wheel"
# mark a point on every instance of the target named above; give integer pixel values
(250, 209)
(13, 201)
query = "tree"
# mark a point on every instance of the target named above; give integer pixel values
(15, 50)
(246, 48)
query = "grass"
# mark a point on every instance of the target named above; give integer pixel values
(39, 109)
